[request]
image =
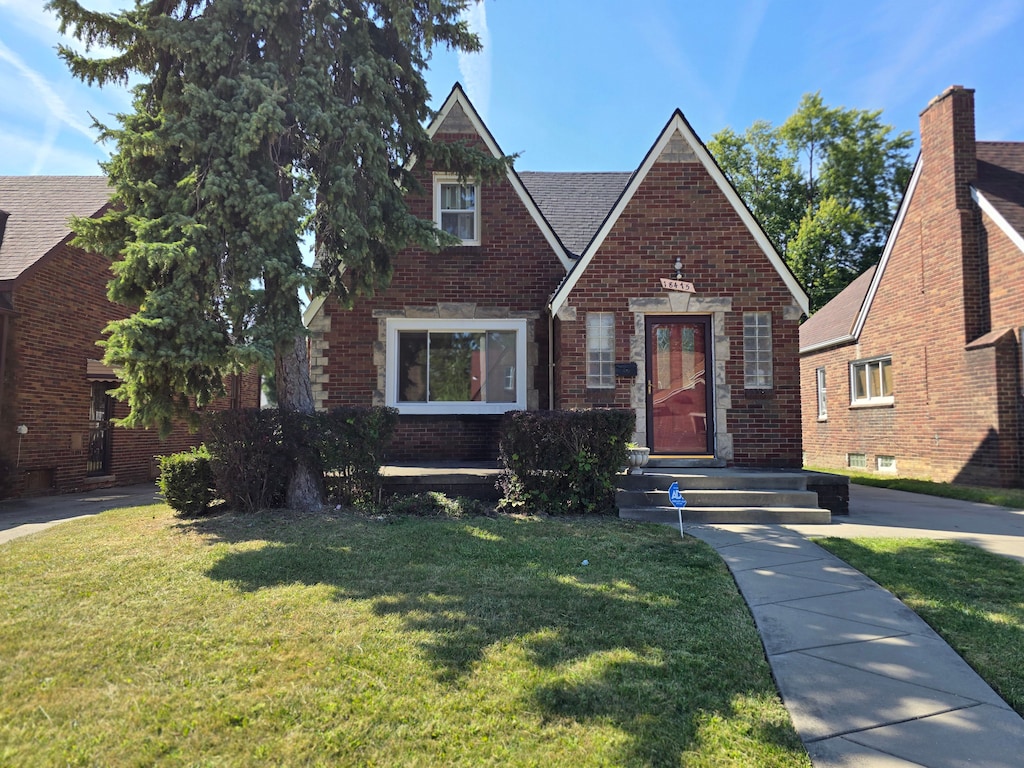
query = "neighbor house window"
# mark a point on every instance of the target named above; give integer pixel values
(871, 381)
(757, 350)
(856, 460)
(601, 350)
(886, 463)
(456, 208)
(456, 366)
(822, 400)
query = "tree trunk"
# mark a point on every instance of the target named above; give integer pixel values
(295, 393)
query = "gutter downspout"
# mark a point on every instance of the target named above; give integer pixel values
(551, 358)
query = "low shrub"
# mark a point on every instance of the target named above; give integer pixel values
(253, 452)
(186, 481)
(249, 457)
(351, 443)
(563, 462)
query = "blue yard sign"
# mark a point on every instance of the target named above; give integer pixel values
(676, 497)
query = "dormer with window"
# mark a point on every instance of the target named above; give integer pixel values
(456, 208)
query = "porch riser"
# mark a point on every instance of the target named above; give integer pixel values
(724, 498)
(730, 515)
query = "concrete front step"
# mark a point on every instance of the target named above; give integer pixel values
(729, 515)
(714, 479)
(720, 498)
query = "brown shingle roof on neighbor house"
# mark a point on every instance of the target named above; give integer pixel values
(39, 208)
(835, 321)
(1001, 179)
(575, 204)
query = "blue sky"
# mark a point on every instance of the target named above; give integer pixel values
(575, 85)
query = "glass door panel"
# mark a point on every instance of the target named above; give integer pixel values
(679, 412)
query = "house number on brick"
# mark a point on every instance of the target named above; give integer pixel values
(677, 285)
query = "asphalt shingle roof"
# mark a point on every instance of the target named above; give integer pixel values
(38, 209)
(575, 204)
(836, 319)
(1001, 179)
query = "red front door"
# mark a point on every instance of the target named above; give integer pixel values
(679, 398)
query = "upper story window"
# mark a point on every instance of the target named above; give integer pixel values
(871, 381)
(601, 350)
(456, 366)
(456, 208)
(757, 351)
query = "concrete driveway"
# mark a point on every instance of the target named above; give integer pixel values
(20, 517)
(880, 512)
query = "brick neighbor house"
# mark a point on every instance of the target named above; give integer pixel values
(653, 290)
(916, 367)
(53, 387)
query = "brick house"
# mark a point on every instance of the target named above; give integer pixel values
(53, 308)
(916, 368)
(653, 290)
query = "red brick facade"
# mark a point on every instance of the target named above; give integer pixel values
(59, 312)
(945, 305)
(677, 206)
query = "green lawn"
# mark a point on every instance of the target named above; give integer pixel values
(136, 638)
(974, 599)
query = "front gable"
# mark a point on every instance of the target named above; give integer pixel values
(678, 153)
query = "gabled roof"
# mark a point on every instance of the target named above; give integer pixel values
(575, 204)
(460, 108)
(833, 324)
(39, 208)
(999, 189)
(678, 128)
(999, 192)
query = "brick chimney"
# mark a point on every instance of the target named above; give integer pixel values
(950, 166)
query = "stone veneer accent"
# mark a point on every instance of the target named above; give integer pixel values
(683, 304)
(319, 328)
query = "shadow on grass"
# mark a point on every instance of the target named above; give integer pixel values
(974, 599)
(650, 635)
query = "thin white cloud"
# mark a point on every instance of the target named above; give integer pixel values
(475, 68)
(51, 103)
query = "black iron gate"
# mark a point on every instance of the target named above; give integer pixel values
(100, 432)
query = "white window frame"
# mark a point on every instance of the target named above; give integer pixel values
(758, 345)
(601, 340)
(873, 398)
(396, 324)
(819, 376)
(444, 179)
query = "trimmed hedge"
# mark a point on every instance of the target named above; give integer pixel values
(563, 462)
(186, 481)
(254, 450)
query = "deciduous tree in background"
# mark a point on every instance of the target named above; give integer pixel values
(825, 185)
(255, 123)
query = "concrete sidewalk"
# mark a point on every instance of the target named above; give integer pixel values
(866, 681)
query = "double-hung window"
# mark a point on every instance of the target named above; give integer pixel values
(601, 350)
(456, 366)
(757, 351)
(456, 209)
(871, 381)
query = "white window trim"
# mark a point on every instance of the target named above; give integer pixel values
(451, 178)
(867, 402)
(396, 324)
(822, 389)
